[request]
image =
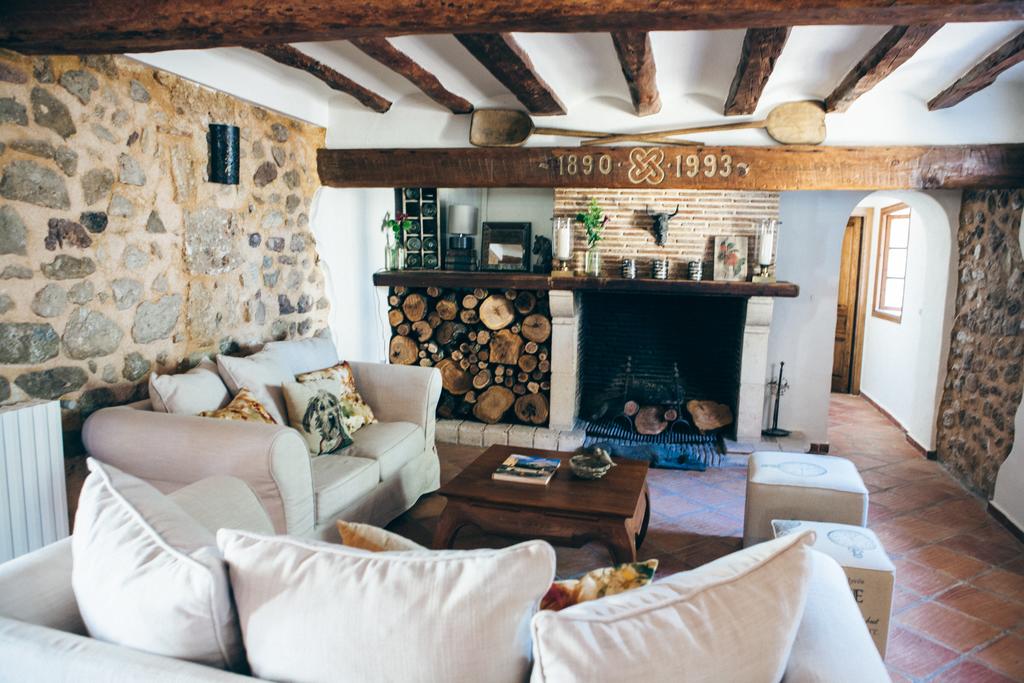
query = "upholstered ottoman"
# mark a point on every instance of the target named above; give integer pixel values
(868, 569)
(820, 488)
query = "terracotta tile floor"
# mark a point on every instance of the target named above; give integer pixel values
(958, 612)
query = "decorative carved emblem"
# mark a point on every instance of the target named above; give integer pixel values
(645, 165)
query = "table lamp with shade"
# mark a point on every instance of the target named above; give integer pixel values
(461, 251)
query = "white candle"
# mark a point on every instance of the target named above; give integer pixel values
(563, 241)
(764, 256)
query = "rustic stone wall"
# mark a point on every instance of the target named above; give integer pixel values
(703, 214)
(117, 256)
(983, 385)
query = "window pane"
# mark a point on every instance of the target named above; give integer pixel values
(893, 294)
(899, 232)
(896, 266)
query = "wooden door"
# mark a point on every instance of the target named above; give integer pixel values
(846, 307)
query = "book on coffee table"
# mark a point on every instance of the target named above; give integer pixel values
(526, 469)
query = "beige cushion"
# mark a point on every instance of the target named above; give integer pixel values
(392, 444)
(821, 488)
(315, 412)
(262, 375)
(374, 539)
(303, 355)
(315, 612)
(832, 644)
(733, 619)
(199, 389)
(341, 480)
(148, 576)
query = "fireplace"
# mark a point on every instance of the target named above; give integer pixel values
(718, 344)
(653, 354)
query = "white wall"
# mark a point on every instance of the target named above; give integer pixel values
(346, 224)
(803, 329)
(1009, 493)
(904, 364)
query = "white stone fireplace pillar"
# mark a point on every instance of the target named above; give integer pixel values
(753, 369)
(565, 359)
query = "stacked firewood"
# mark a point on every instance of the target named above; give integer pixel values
(491, 346)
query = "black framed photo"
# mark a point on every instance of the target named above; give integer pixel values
(505, 246)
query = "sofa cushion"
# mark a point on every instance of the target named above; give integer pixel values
(733, 619)
(392, 444)
(315, 412)
(340, 480)
(261, 374)
(244, 407)
(302, 355)
(190, 393)
(357, 411)
(316, 612)
(148, 576)
(374, 539)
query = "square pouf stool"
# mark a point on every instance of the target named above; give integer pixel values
(868, 569)
(819, 488)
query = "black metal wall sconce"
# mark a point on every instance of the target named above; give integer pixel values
(223, 140)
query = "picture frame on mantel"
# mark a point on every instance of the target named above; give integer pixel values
(505, 246)
(732, 262)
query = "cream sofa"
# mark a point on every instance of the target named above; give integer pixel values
(391, 463)
(42, 637)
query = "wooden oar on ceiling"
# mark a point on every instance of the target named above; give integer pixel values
(512, 128)
(792, 123)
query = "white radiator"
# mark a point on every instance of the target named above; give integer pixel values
(33, 497)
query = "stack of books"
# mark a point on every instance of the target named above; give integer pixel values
(526, 469)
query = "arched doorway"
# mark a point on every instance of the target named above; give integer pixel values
(897, 284)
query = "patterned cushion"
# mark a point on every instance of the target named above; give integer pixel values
(599, 583)
(315, 412)
(357, 412)
(244, 407)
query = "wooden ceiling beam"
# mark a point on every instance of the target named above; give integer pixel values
(788, 167)
(508, 62)
(898, 45)
(289, 56)
(390, 56)
(108, 26)
(982, 75)
(637, 61)
(761, 49)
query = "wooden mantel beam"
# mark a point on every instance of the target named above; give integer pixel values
(390, 56)
(714, 168)
(289, 56)
(982, 75)
(500, 54)
(898, 45)
(637, 60)
(106, 26)
(761, 49)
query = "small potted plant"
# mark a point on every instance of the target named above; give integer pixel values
(394, 254)
(593, 219)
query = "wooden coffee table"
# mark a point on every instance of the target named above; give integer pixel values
(613, 511)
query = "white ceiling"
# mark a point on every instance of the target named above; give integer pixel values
(695, 69)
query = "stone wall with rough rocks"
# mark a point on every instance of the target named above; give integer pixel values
(983, 384)
(117, 256)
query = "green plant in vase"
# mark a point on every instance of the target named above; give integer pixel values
(593, 220)
(394, 255)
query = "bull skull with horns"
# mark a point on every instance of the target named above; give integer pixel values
(660, 225)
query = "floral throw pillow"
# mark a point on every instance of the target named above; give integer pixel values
(316, 413)
(374, 539)
(244, 407)
(357, 411)
(599, 583)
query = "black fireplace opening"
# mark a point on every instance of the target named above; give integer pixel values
(644, 357)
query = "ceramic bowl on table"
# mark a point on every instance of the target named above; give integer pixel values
(591, 465)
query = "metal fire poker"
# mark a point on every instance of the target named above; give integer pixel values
(778, 387)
